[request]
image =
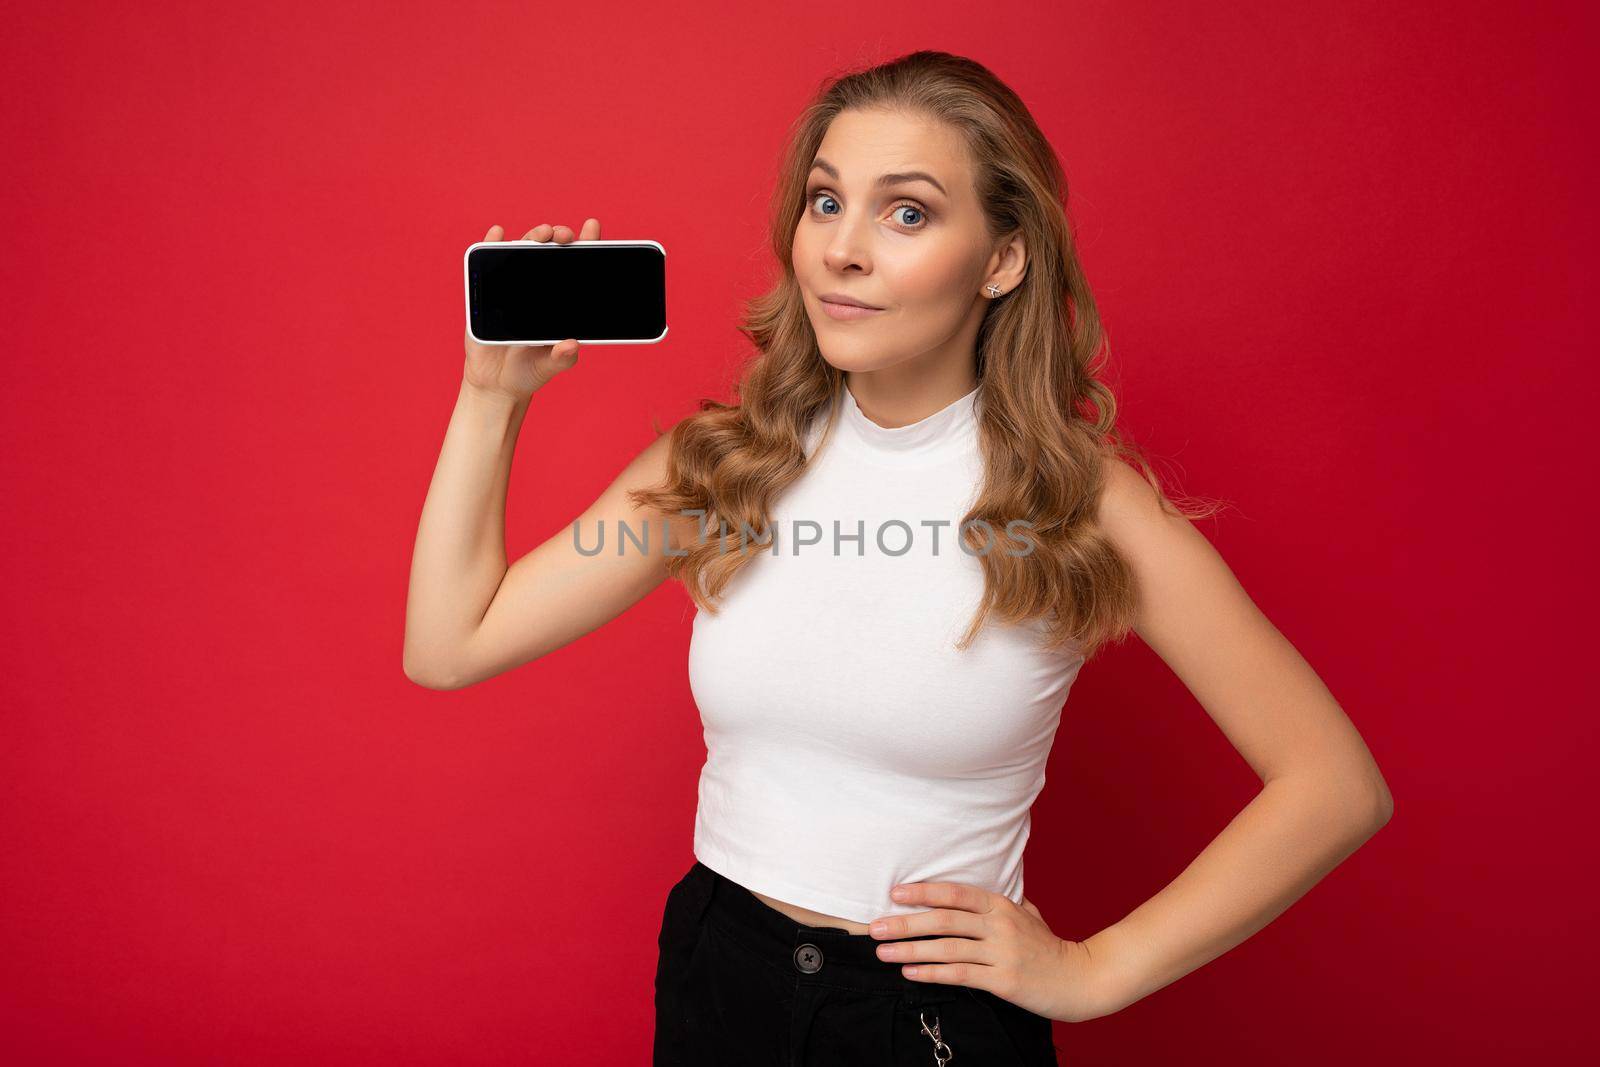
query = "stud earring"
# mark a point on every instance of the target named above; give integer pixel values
(994, 290)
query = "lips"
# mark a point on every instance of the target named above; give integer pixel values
(845, 301)
(848, 312)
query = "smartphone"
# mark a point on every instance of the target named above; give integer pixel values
(542, 292)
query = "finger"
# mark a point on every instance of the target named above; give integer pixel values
(946, 895)
(563, 234)
(935, 950)
(927, 924)
(591, 230)
(968, 974)
(494, 233)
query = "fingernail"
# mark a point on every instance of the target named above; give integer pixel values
(899, 893)
(879, 929)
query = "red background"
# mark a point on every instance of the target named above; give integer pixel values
(1337, 248)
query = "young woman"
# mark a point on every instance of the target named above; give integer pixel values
(914, 528)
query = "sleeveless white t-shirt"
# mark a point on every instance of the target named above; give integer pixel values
(850, 746)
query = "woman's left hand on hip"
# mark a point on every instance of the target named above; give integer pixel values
(992, 944)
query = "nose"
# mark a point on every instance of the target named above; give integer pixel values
(847, 246)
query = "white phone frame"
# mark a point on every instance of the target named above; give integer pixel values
(466, 279)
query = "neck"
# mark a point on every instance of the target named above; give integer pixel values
(895, 404)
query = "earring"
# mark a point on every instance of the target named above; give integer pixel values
(994, 290)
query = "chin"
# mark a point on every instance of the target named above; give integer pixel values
(870, 359)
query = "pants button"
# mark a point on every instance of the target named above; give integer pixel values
(808, 959)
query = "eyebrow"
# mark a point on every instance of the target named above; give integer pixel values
(884, 179)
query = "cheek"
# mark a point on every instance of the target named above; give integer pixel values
(935, 275)
(807, 247)
(798, 252)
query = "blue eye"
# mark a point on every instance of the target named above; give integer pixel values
(814, 198)
(914, 209)
(903, 206)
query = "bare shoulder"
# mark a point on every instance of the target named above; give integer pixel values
(649, 466)
(649, 469)
(1176, 571)
(1130, 512)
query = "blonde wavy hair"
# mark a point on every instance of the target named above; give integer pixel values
(1046, 421)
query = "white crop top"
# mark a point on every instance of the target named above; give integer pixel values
(850, 746)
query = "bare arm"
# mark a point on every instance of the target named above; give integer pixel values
(459, 557)
(1322, 795)
(468, 615)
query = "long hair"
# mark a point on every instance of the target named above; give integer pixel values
(1046, 422)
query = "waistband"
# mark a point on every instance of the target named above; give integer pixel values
(814, 955)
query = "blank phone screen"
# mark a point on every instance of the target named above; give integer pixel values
(550, 292)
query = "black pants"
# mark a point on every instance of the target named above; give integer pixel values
(738, 982)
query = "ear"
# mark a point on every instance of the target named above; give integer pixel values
(1009, 264)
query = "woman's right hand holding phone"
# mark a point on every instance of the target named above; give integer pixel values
(516, 372)
(470, 614)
